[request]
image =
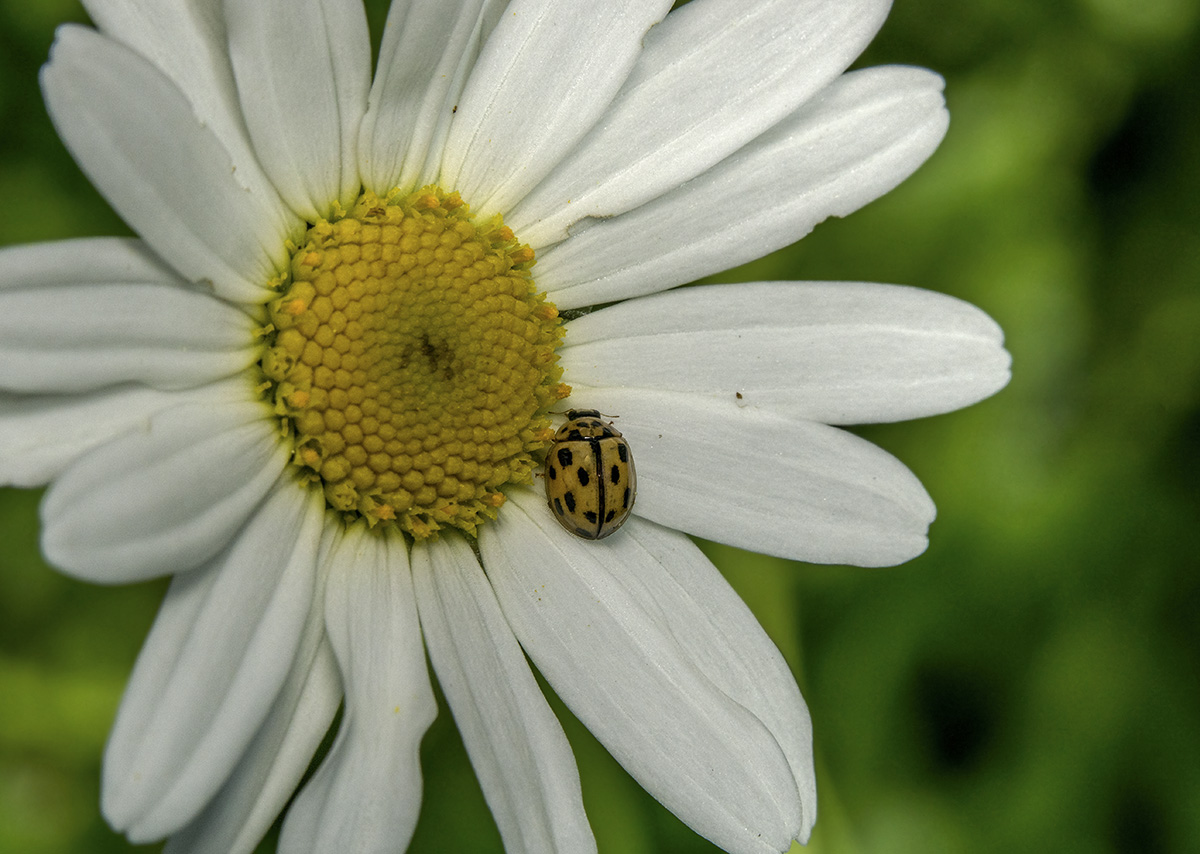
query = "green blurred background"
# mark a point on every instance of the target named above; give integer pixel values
(1031, 682)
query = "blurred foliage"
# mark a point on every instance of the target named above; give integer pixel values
(1027, 684)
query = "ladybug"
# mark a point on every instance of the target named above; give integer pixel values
(590, 482)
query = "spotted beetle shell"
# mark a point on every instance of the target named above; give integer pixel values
(590, 481)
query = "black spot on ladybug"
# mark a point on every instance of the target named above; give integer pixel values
(590, 515)
(608, 517)
(551, 472)
(583, 476)
(565, 457)
(569, 498)
(623, 452)
(558, 508)
(615, 474)
(625, 499)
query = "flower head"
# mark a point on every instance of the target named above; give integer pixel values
(319, 389)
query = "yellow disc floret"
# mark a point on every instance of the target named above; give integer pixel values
(413, 362)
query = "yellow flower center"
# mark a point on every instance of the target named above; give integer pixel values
(413, 362)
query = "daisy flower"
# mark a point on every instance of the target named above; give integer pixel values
(319, 389)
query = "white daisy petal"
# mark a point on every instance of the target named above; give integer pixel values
(89, 259)
(41, 435)
(186, 40)
(714, 75)
(427, 51)
(516, 745)
(835, 352)
(545, 76)
(367, 792)
(85, 336)
(236, 820)
(752, 479)
(303, 68)
(130, 129)
(601, 640)
(208, 676)
(713, 624)
(275, 761)
(863, 135)
(85, 333)
(165, 498)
